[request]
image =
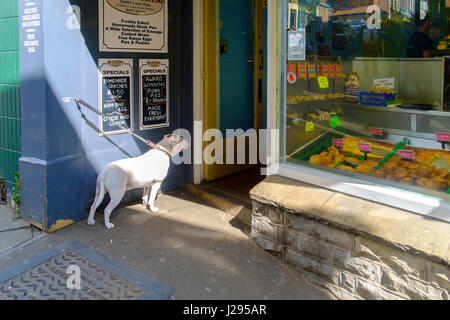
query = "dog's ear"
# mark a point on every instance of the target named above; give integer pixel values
(169, 139)
(174, 139)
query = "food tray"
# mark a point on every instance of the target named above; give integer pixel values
(376, 99)
(318, 145)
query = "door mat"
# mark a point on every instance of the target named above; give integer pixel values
(53, 274)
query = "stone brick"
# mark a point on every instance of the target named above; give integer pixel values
(320, 231)
(313, 266)
(338, 292)
(400, 261)
(356, 265)
(413, 288)
(316, 248)
(370, 291)
(263, 225)
(439, 274)
(267, 244)
(274, 214)
(348, 281)
(259, 208)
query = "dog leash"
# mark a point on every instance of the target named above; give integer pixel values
(149, 143)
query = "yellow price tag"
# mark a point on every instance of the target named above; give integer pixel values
(323, 82)
(309, 126)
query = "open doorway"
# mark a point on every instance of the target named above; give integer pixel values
(234, 91)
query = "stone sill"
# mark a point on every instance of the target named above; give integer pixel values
(407, 231)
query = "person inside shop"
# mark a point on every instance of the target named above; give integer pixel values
(420, 44)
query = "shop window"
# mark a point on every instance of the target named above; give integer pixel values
(364, 91)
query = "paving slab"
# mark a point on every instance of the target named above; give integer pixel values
(202, 252)
(13, 233)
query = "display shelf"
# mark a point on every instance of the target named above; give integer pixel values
(399, 110)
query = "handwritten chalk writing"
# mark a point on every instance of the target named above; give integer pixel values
(154, 107)
(116, 95)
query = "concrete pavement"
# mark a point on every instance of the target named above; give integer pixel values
(14, 233)
(202, 252)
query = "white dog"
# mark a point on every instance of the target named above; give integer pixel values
(147, 171)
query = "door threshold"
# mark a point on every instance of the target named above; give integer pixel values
(231, 202)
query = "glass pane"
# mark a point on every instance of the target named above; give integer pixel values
(364, 90)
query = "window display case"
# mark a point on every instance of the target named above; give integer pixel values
(365, 111)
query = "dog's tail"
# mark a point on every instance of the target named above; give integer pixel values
(99, 193)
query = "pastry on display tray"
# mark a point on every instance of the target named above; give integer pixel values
(430, 168)
(379, 149)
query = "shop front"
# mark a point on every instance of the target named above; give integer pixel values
(129, 60)
(359, 198)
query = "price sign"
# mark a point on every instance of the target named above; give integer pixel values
(323, 82)
(309, 126)
(364, 147)
(339, 143)
(406, 154)
(442, 137)
(376, 131)
(335, 122)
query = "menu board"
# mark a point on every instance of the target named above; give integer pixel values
(154, 93)
(116, 95)
(133, 26)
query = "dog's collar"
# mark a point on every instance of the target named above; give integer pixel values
(159, 148)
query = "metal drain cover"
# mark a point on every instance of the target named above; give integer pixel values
(47, 280)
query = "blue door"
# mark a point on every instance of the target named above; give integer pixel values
(236, 65)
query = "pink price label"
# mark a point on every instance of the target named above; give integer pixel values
(442, 137)
(406, 154)
(364, 147)
(338, 142)
(376, 131)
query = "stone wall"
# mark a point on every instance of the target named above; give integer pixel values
(350, 263)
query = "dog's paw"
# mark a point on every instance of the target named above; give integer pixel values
(154, 209)
(90, 222)
(109, 226)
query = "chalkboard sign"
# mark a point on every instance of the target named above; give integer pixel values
(115, 88)
(154, 93)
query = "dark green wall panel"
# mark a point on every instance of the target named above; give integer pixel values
(9, 8)
(9, 39)
(10, 135)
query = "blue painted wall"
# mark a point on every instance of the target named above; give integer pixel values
(61, 155)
